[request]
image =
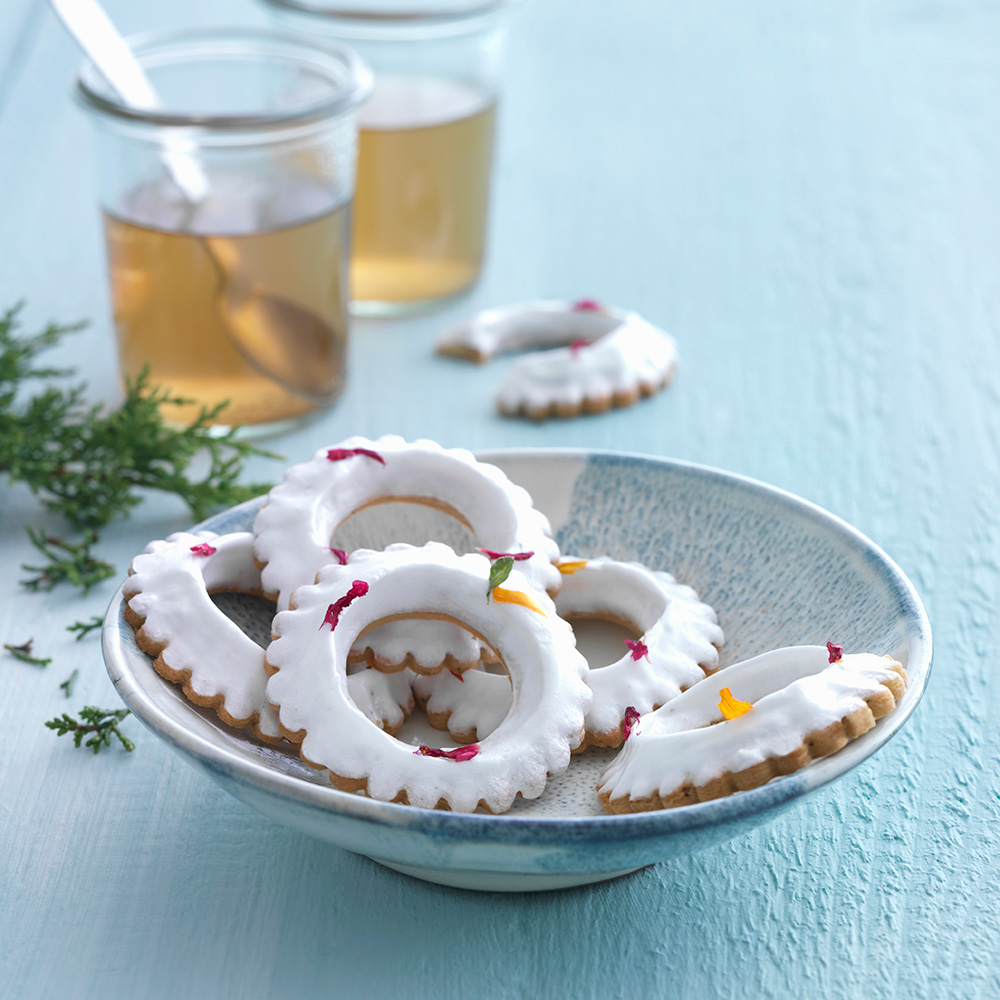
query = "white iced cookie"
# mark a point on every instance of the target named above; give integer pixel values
(308, 660)
(529, 325)
(293, 529)
(424, 647)
(783, 709)
(679, 640)
(470, 705)
(632, 360)
(193, 642)
(195, 645)
(678, 644)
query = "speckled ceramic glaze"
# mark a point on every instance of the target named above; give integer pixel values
(778, 570)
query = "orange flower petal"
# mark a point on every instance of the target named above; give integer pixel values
(504, 596)
(730, 707)
(571, 566)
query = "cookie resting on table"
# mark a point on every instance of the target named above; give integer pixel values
(529, 326)
(748, 723)
(308, 661)
(196, 646)
(679, 640)
(605, 357)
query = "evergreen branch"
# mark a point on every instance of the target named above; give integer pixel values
(23, 653)
(90, 464)
(99, 723)
(67, 685)
(85, 628)
(73, 563)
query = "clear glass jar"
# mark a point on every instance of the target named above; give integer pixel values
(227, 215)
(426, 141)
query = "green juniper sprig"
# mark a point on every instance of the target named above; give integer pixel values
(99, 723)
(23, 653)
(90, 464)
(67, 685)
(67, 562)
(85, 628)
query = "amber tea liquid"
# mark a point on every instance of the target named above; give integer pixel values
(422, 191)
(256, 316)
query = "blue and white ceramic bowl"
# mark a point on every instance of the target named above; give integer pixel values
(778, 570)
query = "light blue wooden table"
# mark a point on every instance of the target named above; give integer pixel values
(806, 195)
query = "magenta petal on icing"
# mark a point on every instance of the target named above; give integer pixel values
(638, 647)
(836, 651)
(587, 305)
(339, 454)
(340, 554)
(359, 589)
(576, 345)
(631, 718)
(462, 753)
(204, 549)
(457, 674)
(516, 556)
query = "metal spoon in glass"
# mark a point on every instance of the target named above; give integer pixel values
(286, 343)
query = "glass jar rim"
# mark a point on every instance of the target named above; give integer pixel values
(446, 16)
(157, 48)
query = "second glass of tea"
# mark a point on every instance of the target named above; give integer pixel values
(227, 215)
(426, 141)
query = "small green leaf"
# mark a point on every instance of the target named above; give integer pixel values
(499, 571)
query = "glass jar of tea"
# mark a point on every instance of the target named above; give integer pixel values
(426, 141)
(227, 204)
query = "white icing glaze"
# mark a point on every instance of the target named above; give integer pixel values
(527, 325)
(309, 660)
(474, 701)
(421, 645)
(633, 360)
(682, 635)
(293, 529)
(170, 587)
(385, 699)
(794, 691)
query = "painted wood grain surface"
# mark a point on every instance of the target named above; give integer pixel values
(806, 195)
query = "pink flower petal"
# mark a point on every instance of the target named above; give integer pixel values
(638, 647)
(340, 554)
(359, 589)
(204, 549)
(462, 753)
(836, 652)
(339, 454)
(516, 556)
(576, 345)
(587, 305)
(628, 726)
(457, 674)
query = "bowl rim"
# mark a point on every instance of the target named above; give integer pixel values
(544, 830)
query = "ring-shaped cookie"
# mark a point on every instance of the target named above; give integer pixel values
(527, 326)
(194, 644)
(797, 706)
(308, 660)
(293, 529)
(679, 644)
(611, 358)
